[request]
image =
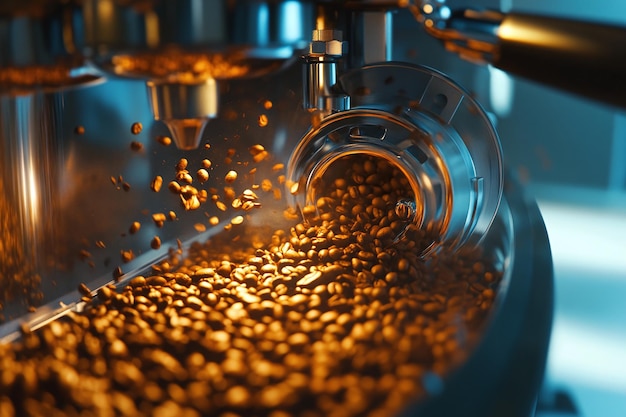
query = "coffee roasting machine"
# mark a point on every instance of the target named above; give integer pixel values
(86, 86)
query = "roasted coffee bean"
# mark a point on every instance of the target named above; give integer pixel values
(164, 140)
(203, 175)
(335, 316)
(134, 228)
(84, 290)
(105, 293)
(231, 176)
(138, 282)
(174, 187)
(183, 177)
(136, 146)
(156, 184)
(155, 243)
(117, 273)
(136, 128)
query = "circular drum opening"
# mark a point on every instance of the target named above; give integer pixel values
(372, 191)
(417, 171)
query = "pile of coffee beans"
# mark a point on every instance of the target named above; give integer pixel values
(336, 315)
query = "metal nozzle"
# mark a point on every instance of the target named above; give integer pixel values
(185, 109)
(320, 72)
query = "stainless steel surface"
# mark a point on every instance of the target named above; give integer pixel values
(473, 34)
(76, 193)
(432, 129)
(577, 56)
(505, 371)
(29, 183)
(372, 37)
(321, 71)
(69, 198)
(570, 154)
(184, 48)
(457, 186)
(176, 104)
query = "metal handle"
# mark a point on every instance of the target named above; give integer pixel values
(584, 58)
(580, 57)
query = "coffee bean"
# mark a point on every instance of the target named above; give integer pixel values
(136, 128)
(117, 273)
(334, 316)
(155, 243)
(156, 281)
(136, 146)
(137, 282)
(84, 290)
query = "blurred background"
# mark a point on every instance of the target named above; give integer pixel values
(571, 154)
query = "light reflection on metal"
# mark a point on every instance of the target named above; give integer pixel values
(29, 164)
(32, 189)
(534, 35)
(172, 103)
(187, 43)
(501, 91)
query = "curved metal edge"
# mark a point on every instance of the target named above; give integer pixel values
(503, 375)
(419, 89)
